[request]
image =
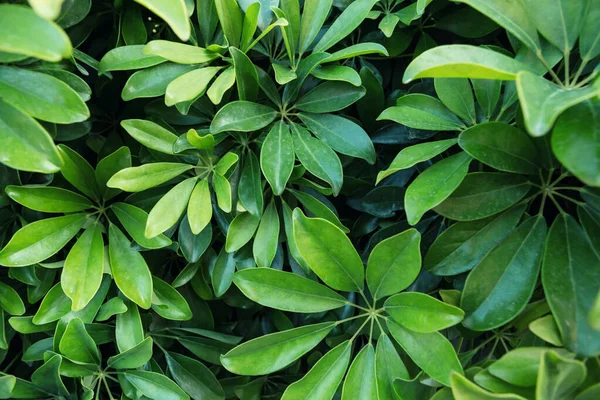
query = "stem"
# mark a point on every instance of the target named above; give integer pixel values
(493, 349)
(541, 212)
(379, 324)
(569, 188)
(350, 319)
(371, 330)
(359, 329)
(560, 178)
(585, 81)
(584, 62)
(556, 204)
(362, 293)
(567, 56)
(540, 56)
(572, 200)
(357, 306)
(107, 389)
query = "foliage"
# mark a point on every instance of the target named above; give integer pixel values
(318, 199)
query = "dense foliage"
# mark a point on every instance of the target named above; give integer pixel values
(300, 199)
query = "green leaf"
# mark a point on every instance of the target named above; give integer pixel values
(313, 16)
(40, 240)
(318, 209)
(78, 172)
(112, 307)
(457, 95)
(129, 269)
(135, 357)
(41, 96)
(356, 50)
(388, 367)
(361, 382)
(230, 17)
(222, 272)
(500, 287)
(47, 377)
(129, 331)
(134, 221)
(341, 134)
(321, 382)
(575, 141)
(241, 231)
(250, 24)
(519, 367)
(174, 13)
(265, 243)
(501, 146)
(178, 52)
(328, 252)
(558, 21)
(24, 32)
(220, 85)
(54, 306)
(250, 188)
(199, 207)
(25, 143)
(497, 385)
(275, 351)
(144, 177)
(133, 28)
(82, 273)
(482, 194)
(546, 329)
(318, 158)
(412, 155)
(571, 279)
(349, 20)
(589, 40)
(10, 301)
(277, 157)
(189, 86)
(303, 70)
(286, 291)
(512, 16)
(169, 208)
(150, 134)
(338, 73)
(110, 165)
(154, 385)
(420, 111)
(48, 199)
(170, 304)
(153, 81)
(559, 377)
(223, 192)
(329, 97)
(242, 116)
(422, 313)
(283, 75)
(464, 244)
(246, 76)
(434, 185)
(77, 345)
(464, 389)
(487, 92)
(543, 102)
(432, 352)
(394, 264)
(125, 58)
(194, 378)
(463, 61)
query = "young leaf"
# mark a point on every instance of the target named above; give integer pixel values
(150, 134)
(462, 388)
(275, 351)
(328, 252)
(179, 53)
(286, 291)
(199, 210)
(174, 13)
(129, 331)
(422, 313)
(277, 157)
(135, 357)
(110, 165)
(153, 81)
(134, 221)
(146, 176)
(189, 86)
(169, 208)
(126, 58)
(394, 264)
(519, 367)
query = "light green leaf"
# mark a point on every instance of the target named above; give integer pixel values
(275, 351)
(153, 81)
(283, 75)
(250, 188)
(129, 331)
(321, 382)
(110, 165)
(559, 377)
(78, 172)
(432, 352)
(25, 143)
(246, 76)
(77, 345)
(199, 207)
(303, 70)
(543, 102)
(463, 61)
(576, 141)
(223, 192)
(519, 367)
(420, 111)
(286, 291)
(39, 240)
(224, 81)
(589, 39)
(341, 134)
(457, 95)
(134, 221)
(487, 92)
(422, 313)
(222, 273)
(356, 50)
(48, 199)
(135, 357)
(482, 194)
(328, 252)
(189, 86)
(388, 367)
(349, 20)
(313, 16)
(178, 52)
(112, 307)
(150, 134)
(169, 303)
(242, 116)
(434, 185)
(129, 269)
(558, 21)
(250, 24)
(330, 97)
(230, 17)
(144, 177)
(361, 382)
(501, 146)
(126, 58)
(193, 377)
(265, 243)
(41, 96)
(277, 157)
(10, 301)
(173, 12)
(318, 158)
(154, 385)
(340, 73)
(571, 277)
(546, 329)
(82, 273)
(169, 208)
(55, 305)
(464, 389)
(241, 231)
(412, 155)
(24, 32)
(500, 287)
(394, 264)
